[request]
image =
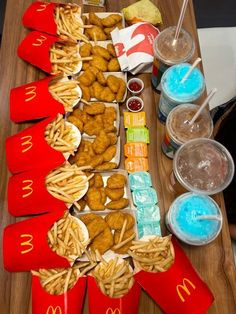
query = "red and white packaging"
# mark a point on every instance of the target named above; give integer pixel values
(179, 289)
(35, 49)
(134, 47)
(70, 302)
(27, 193)
(29, 149)
(33, 101)
(25, 245)
(128, 304)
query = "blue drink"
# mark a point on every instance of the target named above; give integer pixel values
(185, 219)
(175, 93)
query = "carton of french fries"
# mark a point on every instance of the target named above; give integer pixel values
(44, 98)
(112, 288)
(46, 143)
(50, 53)
(59, 19)
(167, 275)
(52, 240)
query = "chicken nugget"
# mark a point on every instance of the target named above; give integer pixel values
(113, 138)
(95, 108)
(113, 65)
(77, 122)
(111, 20)
(85, 92)
(82, 159)
(94, 199)
(101, 51)
(82, 203)
(87, 78)
(124, 249)
(116, 181)
(113, 83)
(101, 78)
(98, 181)
(108, 30)
(111, 50)
(103, 195)
(88, 149)
(95, 20)
(91, 182)
(85, 65)
(93, 69)
(87, 218)
(97, 90)
(107, 166)
(109, 127)
(96, 33)
(109, 153)
(103, 242)
(101, 143)
(95, 227)
(107, 95)
(115, 220)
(96, 161)
(81, 114)
(91, 91)
(121, 91)
(92, 128)
(99, 63)
(114, 194)
(110, 113)
(119, 204)
(85, 50)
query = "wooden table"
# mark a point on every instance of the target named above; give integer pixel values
(214, 262)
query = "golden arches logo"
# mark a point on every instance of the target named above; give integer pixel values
(54, 310)
(39, 41)
(31, 92)
(184, 288)
(26, 143)
(111, 311)
(27, 187)
(42, 7)
(27, 243)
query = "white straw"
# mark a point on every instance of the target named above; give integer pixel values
(203, 105)
(180, 21)
(195, 63)
(209, 217)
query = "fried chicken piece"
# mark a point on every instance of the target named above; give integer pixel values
(97, 89)
(109, 127)
(91, 91)
(88, 148)
(124, 249)
(113, 83)
(121, 91)
(93, 69)
(85, 92)
(103, 242)
(81, 114)
(95, 108)
(115, 220)
(107, 95)
(111, 50)
(87, 78)
(85, 50)
(87, 218)
(82, 159)
(108, 30)
(116, 181)
(85, 65)
(95, 227)
(111, 20)
(103, 195)
(77, 122)
(101, 143)
(95, 20)
(82, 203)
(91, 182)
(94, 199)
(113, 65)
(119, 204)
(107, 166)
(92, 128)
(114, 194)
(99, 63)
(98, 181)
(101, 51)
(96, 161)
(96, 33)
(109, 153)
(113, 138)
(110, 113)
(101, 78)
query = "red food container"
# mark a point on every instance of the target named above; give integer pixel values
(179, 289)
(35, 49)
(28, 195)
(67, 303)
(25, 245)
(33, 101)
(28, 149)
(128, 304)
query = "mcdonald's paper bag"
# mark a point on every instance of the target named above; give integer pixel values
(179, 289)
(128, 304)
(67, 303)
(35, 49)
(28, 195)
(33, 101)
(29, 150)
(25, 245)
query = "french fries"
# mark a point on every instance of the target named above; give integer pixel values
(59, 280)
(154, 255)
(65, 92)
(67, 22)
(67, 183)
(66, 238)
(114, 278)
(60, 136)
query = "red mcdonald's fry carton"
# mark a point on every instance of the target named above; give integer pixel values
(128, 304)
(179, 289)
(25, 245)
(68, 303)
(40, 16)
(29, 149)
(33, 101)
(28, 195)
(35, 49)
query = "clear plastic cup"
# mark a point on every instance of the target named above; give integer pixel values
(202, 166)
(178, 131)
(185, 219)
(174, 92)
(166, 55)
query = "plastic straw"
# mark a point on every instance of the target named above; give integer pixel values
(203, 105)
(180, 21)
(195, 63)
(209, 217)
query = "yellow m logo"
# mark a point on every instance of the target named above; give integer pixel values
(184, 288)
(42, 7)
(111, 311)
(27, 187)
(26, 142)
(30, 91)
(27, 243)
(54, 310)
(39, 41)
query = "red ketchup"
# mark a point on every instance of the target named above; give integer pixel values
(135, 86)
(134, 104)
